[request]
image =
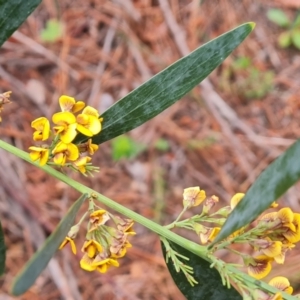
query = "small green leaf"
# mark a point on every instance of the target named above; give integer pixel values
(168, 86)
(12, 14)
(271, 184)
(41, 258)
(53, 31)
(2, 251)
(278, 17)
(241, 63)
(162, 145)
(209, 285)
(296, 38)
(125, 147)
(284, 39)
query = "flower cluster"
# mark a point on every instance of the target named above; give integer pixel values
(67, 124)
(4, 99)
(270, 236)
(104, 244)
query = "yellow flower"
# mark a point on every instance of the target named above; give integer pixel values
(80, 163)
(209, 204)
(282, 284)
(193, 196)
(268, 247)
(66, 126)
(124, 225)
(68, 103)
(98, 218)
(88, 147)
(292, 233)
(86, 263)
(102, 265)
(42, 127)
(118, 248)
(206, 234)
(236, 199)
(259, 266)
(39, 153)
(66, 241)
(63, 152)
(88, 122)
(280, 258)
(91, 248)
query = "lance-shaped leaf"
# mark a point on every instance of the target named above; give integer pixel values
(12, 14)
(209, 285)
(2, 251)
(271, 184)
(41, 258)
(168, 86)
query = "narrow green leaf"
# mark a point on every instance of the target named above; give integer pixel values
(2, 251)
(271, 184)
(209, 285)
(41, 258)
(12, 14)
(168, 86)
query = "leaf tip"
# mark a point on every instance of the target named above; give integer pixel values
(252, 24)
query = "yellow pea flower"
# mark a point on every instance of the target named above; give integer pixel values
(80, 163)
(70, 241)
(39, 153)
(193, 196)
(66, 126)
(63, 152)
(42, 127)
(88, 122)
(68, 103)
(282, 284)
(102, 265)
(259, 266)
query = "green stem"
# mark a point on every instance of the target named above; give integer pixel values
(160, 230)
(198, 250)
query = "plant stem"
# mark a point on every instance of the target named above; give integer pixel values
(160, 230)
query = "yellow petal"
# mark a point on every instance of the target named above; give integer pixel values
(282, 284)
(91, 111)
(78, 106)
(72, 152)
(66, 103)
(44, 158)
(63, 118)
(86, 263)
(69, 134)
(94, 125)
(83, 130)
(286, 215)
(236, 199)
(261, 268)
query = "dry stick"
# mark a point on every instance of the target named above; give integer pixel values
(130, 9)
(101, 65)
(36, 47)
